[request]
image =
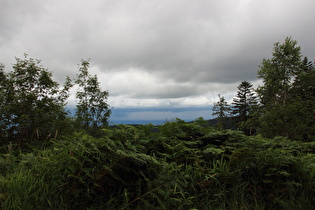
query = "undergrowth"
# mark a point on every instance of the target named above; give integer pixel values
(177, 165)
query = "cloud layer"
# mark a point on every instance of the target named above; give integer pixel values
(155, 53)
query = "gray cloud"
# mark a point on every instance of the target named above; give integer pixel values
(155, 49)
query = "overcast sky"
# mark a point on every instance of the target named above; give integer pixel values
(155, 53)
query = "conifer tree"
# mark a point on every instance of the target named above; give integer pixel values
(307, 65)
(302, 105)
(221, 109)
(243, 104)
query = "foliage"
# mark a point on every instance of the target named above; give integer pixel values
(177, 165)
(33, 105)
(92, 110)
(302, 98)
(279, 72)
(221, 109)
(307, 65)
(243, 106)
(287, 93)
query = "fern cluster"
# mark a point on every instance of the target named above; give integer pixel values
(177, 165)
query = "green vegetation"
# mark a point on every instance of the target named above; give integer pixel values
(92, 108)
(287, 97)
(49, 160)
(244, 105)
(33, 105)
(283, 105)
(222, 110)
(178, 165)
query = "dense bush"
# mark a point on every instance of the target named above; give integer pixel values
(177, 165)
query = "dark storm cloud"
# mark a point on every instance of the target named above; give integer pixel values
(163, 49)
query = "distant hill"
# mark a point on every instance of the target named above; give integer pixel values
(230, 123)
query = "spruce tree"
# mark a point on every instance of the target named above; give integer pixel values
(307, 65)
(303, 106)
(221, 109)
(242, 105)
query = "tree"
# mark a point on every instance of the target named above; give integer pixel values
(279, 72)
(302, 100)
(284, 92)
(221, 109)
(242, 106)
(4, 98)
(307, 65)
(33, 104)
(92, 110)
